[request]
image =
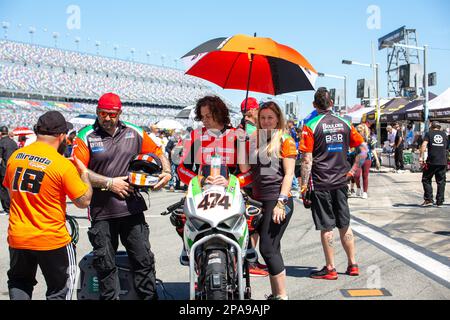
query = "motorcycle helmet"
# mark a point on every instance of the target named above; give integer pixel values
(144, 170)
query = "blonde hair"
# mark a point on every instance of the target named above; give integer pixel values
(274, 146)
(364, 131)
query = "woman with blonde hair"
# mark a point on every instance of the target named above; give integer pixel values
(272, 163)
(365, 168)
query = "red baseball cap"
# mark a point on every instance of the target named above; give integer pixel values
(110, 101)
(252, 103)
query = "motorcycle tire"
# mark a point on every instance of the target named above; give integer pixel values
(216, 275)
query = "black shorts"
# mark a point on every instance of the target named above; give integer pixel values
(330, 209)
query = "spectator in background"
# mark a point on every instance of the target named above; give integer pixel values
(399, 145)
(437, 143)
(70, 140)
(365, 167)
(155, 135)
(392, 132)
(22, 141)
(409, 139)
(7, 148)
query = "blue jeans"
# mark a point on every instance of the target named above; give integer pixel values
(175, 181)
(295, 183)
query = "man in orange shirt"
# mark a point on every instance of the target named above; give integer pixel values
(39, 179)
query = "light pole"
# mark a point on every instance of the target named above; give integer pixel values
(133, 50)
(31, 31)
(77, 42)
(148, 56)
(97, 45)
(162, 60)
(326, 75)
(425, 80)
(296, 100)
(376, 68)
(115, 50)
(5, 26)
(55, 36)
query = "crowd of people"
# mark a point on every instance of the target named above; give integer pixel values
(91, 168)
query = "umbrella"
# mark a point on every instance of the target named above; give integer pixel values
(184, 114)
(252, 64)
(22, 131)
(169, 124)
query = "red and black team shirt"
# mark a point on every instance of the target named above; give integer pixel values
(328, 137)
(202, 145)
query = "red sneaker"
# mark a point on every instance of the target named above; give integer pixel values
(352, 270)
(325, 273)
(255, 271)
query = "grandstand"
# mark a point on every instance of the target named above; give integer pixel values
(35, 79)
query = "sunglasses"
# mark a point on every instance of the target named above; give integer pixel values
(112, 115)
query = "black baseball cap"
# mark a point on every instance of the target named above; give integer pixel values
(3, 129)
(435, 124)
(51, 123)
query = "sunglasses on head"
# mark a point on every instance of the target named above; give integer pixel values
(104, 114)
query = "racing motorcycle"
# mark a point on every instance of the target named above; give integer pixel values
(216, 236)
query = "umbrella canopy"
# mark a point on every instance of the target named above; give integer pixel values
(184, 114)
(251, 63)
(22, 131)
(169, 124)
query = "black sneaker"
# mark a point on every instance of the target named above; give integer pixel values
(325, 273)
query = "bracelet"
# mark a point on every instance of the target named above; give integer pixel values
(109, 184)
(281, 206)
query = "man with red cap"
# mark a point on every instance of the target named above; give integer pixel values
(106, 148)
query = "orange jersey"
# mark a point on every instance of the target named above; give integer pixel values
(39, 179)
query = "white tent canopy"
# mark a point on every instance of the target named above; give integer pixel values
(169, 124)
(440, 102)
(83, 119)
(355, 117)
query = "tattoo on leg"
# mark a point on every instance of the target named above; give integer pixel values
(330, 242)
(348, 238)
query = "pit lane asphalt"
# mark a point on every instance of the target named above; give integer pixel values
(394, 239)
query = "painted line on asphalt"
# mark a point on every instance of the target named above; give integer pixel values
(420, 261)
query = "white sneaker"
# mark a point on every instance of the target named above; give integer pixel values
(358, 192)
(364, 195)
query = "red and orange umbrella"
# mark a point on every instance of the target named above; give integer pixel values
(252, 64)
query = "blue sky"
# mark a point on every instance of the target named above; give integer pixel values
(324, 32)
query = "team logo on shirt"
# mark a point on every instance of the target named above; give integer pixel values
(438, 140)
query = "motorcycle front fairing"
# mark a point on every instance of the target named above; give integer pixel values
(215, 208)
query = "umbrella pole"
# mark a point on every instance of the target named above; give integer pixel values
(250, 56)
(248, 82)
